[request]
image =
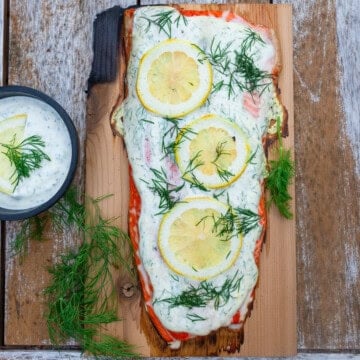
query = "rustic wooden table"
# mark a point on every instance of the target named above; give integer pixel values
(48, 45)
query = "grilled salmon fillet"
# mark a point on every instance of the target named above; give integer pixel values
(231, 53)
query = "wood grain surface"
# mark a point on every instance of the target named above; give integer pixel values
(327, 186)
(50, 49)
(51, 52)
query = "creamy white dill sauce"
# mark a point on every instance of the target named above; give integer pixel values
(44, 182)
(143, 141)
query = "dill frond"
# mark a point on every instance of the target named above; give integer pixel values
(234, 222)
(80, 296)
(205, 293)
(164, 20)
(31, 229)
(26, 157)
(195, 317)
(166, 192)
(237, 66)
(189, 175)
(281, 173)
(174, 136)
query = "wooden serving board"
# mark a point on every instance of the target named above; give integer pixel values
(271, 328)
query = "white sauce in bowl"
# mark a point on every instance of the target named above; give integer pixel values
(44, 121)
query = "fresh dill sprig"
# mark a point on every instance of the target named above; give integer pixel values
(234, 222)
(80, 294)
(224, 174)
(251, 38)
(218, 195)
(205, 293)
(195, 317)
(252, 156)
(193, 164)
(147, 121)
(26, 157)
(164, 20)
(247, 220)
(174, 137)
(32, 228)
(166, 191)
(218, 55)
(189, 175)
(281, 173)
(220, 150)
(218, 86)
(237, 66)
(249, 76)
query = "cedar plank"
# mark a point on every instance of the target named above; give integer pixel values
(268, 307)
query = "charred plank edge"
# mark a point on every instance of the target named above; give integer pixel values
(107, 29)
(106, 35)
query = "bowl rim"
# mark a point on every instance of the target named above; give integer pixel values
(17, 90)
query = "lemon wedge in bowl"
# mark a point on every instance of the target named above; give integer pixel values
(196, 239)
(212, 151)
(173, 79)
(11, 129)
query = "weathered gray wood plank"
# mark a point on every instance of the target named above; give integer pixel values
(327, 141)
(50, 46)
(3, 24)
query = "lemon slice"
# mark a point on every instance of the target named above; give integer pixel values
(190, 242)
(172, 78)
(10, 128)
(212, 151)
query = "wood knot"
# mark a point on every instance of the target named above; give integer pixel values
(128, 290)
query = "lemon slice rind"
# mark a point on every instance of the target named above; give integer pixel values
(198, 97)
(9, 127)
(198, 249)
(183, 154)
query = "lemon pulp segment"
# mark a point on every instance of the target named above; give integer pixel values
(172, 80)
(215, 150)
(173, 77)
(11, 129)
(190, 243)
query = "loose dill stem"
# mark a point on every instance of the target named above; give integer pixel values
(195, 317)
(220, 150)
(234, 222)
(189, 175)
(174, 136)
(237, 66)
(205, 293)
(166, 191)
(280, 176)
(79, 303)
(281, 173)
(164, 21)
(26, 157)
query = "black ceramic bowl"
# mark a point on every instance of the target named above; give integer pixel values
(18, 214)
